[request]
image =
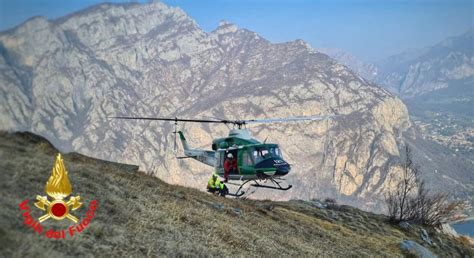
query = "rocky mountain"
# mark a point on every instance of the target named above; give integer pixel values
(436, 83)
(417, 72)
(140, 215)
(63, 78)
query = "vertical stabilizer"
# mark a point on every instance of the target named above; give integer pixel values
(183, 141)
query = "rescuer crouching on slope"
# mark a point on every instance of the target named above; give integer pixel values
(215, 186)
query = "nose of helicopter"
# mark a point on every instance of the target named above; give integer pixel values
(282, 167)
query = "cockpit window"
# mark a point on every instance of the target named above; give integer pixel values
(261, 153)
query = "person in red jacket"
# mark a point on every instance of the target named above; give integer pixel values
(230, 166)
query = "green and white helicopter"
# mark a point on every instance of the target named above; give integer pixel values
(256, 161)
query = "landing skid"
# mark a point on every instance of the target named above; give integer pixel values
(237, 194)
(278, 187)
(239, 191)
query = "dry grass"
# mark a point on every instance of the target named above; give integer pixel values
(140, 215)
(467, 241)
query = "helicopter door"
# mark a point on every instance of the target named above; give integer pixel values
(247, 163)
(234, 153)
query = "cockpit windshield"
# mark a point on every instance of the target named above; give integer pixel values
(261, 153)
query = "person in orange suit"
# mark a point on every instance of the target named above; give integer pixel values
(230, 166)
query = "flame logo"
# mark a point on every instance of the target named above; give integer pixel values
(58, 185)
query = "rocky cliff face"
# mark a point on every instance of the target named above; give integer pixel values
(63, 78)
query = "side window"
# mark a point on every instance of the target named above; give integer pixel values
(257, 155)
(247, 159)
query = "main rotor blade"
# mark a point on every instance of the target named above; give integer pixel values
(174, 119)
(287, 119)
(235, 122)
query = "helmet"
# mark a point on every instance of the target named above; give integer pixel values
(230, 155)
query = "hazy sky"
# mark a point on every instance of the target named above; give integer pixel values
(369, 29)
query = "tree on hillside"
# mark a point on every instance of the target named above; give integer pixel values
(411, 200)
(398, 200)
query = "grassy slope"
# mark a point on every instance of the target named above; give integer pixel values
(141, 215)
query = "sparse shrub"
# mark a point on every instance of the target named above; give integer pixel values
(433, 209)
(412, 201)
(330, 201)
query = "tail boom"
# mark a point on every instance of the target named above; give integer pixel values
(204, 156)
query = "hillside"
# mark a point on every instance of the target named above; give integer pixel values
(141, 215)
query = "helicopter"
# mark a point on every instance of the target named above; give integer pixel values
(257, 161)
